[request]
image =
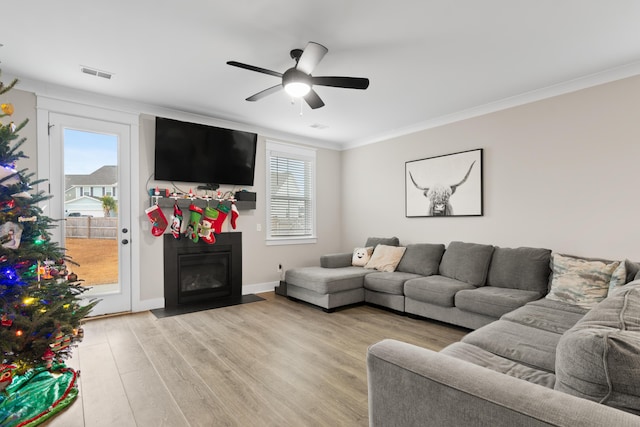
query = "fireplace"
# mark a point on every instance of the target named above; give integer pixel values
(199, 274)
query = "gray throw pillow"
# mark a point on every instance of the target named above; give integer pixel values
(467, 262)
(520, 268)
(633, 269)
(387, 241)
(597, 359)
(421, 258)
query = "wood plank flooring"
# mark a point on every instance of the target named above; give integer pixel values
(269, 363)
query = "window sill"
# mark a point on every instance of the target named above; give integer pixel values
(291, 241)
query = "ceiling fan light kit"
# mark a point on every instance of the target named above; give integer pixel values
(298, 81)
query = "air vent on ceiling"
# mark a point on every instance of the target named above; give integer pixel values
(318, 126)
(97, 73)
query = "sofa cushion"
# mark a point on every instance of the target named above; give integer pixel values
(598, 359)
(520, 268)
(438, 290)
(421, 258)
(467, 262)
(548, 315)
(632, 269)
(520, 343)
(493, 301)
(327, 280)
(388, 283)
(580, 281)
(361, 256)
(480, 357)
(386, 258)
(375, 241)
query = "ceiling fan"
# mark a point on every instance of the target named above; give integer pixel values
(298, 81)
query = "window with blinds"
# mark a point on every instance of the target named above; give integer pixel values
(291, 193)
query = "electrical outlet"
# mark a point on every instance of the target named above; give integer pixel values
(279, 268)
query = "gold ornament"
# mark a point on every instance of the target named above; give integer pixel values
(7, 108)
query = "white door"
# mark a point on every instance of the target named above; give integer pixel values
(89, 178)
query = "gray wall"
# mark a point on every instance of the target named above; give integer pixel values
(561, 173)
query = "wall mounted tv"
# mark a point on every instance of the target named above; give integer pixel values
(191, 152)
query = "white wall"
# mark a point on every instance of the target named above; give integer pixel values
(561, 173)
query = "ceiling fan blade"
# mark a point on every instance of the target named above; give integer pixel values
(313, 100)
(344, 82)
(311, 56)
(254, 68)
(266, 92)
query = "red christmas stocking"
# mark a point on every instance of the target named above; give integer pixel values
(194, 223)
(176, 222)
(206, 232)
(158, 220)
(234, 215)
(223, 211)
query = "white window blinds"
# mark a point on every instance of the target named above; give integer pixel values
(291, 188)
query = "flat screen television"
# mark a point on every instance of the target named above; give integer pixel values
(192, 152)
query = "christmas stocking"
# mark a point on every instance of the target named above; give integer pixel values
(234, 215)
(223, 211)
(208, 220)
(158, 220)
(176, 222)
(194, 223)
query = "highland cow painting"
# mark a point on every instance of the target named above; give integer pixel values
(449, 185)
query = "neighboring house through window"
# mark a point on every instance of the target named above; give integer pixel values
(291, 211)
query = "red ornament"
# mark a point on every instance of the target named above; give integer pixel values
(5, 321)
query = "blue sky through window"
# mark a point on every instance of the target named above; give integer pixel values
(85, 152)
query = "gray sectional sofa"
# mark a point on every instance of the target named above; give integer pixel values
(468, 284)
(535, 357)
(547, 363)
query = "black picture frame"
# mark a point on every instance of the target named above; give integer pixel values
(445, 186)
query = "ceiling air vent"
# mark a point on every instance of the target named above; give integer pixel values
(97, 73)
(318, 126)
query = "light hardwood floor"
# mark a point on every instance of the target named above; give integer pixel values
(268, 363)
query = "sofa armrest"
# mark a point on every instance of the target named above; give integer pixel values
(336, 260)
(414, 386)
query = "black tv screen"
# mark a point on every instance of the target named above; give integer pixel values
(192, 152)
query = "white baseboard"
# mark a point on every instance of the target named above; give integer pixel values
(258, 288)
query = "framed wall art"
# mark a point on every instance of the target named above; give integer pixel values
(448, 185)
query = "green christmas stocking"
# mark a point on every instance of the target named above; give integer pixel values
(194, 223)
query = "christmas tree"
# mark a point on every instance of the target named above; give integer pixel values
(40, 304)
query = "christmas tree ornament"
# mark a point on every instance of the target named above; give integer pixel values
(10, 235)
(193, 227)
(7, 205)
(223, 211)
(206, 231)
(234, 215)
(158, 220)
(176, 221)
(7, 109)
(22, 195)
(27, 218)
(5, 321)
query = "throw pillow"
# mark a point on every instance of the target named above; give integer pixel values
(618, 278)
(633, 269)
(361, 256)
(386, 258)
(579, 281)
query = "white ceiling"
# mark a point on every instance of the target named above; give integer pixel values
(426, 59)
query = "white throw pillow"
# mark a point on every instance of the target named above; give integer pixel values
(386, 258)
(361, 256)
